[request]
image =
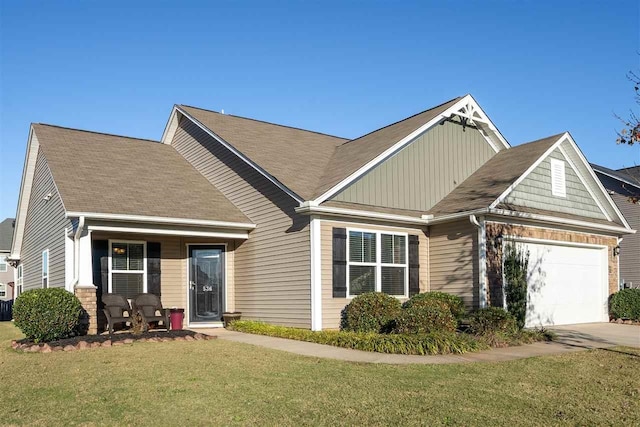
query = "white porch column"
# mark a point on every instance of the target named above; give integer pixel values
(85, 289)
(85, 273)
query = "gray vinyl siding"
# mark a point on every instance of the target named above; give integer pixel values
(424, 172)
(272, 271)
(630, 245)
(44, 229)
(535, 191)
(453, 260)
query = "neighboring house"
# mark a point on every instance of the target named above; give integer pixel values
(624, 186)
(6, 270)
(287, 225)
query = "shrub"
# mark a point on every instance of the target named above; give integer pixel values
(429, 315)
(516, 264)
(492, 320)
(625, 304)
(47, 314)
(370, 312)
(418, 344)
(454, 302)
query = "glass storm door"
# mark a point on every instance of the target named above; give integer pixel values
(206, 284)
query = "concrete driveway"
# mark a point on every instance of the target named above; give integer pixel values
(598, 335)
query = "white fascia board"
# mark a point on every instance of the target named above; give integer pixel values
(171, 126)
(28, 171)
(597, 181)
(617, 178)
(352, 213)
(454, 109)
(162, 220)
(241, 156)
(562, 221)
(531, 168)
(165, 232)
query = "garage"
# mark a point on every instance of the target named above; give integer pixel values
(567, 284)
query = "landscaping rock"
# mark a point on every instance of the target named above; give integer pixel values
(180, 338)
(199, 337)
(128, 341)
(107, 343)
(118, 343)
(82, 345)
(34, 348)
(57, 348)
(69, 347)
(96, 344)
(14, 344)
(46, 349)
(141, 340)
(189, 338)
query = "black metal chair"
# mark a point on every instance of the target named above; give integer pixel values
(115, 307)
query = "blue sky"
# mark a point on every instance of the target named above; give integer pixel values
(345, 68)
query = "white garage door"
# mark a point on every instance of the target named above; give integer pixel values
(567, 284)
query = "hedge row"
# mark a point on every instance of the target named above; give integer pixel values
(416, 344)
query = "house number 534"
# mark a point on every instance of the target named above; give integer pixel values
(207, 288)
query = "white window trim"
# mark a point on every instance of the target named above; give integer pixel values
(144, 263)
(379, 264)
(3, 264)
(3, 290)
(555, 189)
(44, 276)
(19, 279)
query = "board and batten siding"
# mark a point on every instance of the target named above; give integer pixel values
(423, 172)
(453, 261)
(174, 265)
(630, 245)
(272, 268)
(44, 229)
(535, 191)
(331, 307)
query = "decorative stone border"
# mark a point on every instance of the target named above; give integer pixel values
(83, 345)
(625, 322)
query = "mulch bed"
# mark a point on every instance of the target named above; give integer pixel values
(118, 339)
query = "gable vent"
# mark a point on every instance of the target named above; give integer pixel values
(558, 181)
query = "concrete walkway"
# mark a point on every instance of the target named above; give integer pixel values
(569, 339)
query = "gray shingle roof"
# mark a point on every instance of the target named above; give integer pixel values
(6, 234)
(103, 173)
(308, 163)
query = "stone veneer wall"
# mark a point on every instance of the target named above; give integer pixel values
(494, 252)
(88, 299)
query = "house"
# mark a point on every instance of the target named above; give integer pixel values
(624, 186)
(286, 225)
(6, 270)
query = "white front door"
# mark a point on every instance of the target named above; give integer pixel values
(567, 284)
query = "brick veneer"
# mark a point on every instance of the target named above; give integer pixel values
(494, 252)
(88, 299)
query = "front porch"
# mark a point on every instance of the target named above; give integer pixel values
(187, 267)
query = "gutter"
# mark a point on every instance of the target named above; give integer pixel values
(161, 220)
(426, 220)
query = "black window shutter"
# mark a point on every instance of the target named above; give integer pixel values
(153, 268)
(100, 263)
(414, 265)
(339, 262)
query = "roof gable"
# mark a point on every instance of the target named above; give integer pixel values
(6, 234)
(109, 174)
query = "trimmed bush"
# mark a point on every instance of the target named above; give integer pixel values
(47, 314)
(370, 312)
(491, 320)
(625, 304)
(454, 302)
(429, 315)
(418, 344)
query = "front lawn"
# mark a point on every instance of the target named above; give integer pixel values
(221, 383)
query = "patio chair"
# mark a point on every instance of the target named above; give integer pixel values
(115, 306)
(150, 308)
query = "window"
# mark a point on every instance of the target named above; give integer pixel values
(558, 182)
(3, 290)
(377, 262)
(19, 274)
(127, 268)
(3, 264)
(45, 268)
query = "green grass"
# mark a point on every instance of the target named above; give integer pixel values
(225, 383)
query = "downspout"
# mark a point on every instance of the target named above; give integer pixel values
(76, 255)
(482, 259)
